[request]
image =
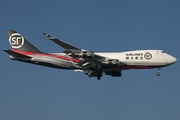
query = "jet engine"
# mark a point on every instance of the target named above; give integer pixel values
(86, 54)
(114, 62)
(78, 53)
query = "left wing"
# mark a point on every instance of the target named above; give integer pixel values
(60, 42)
(75, 51)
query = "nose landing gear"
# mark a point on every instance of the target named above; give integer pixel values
(158, 72)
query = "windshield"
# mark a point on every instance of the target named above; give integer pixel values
(163, 52)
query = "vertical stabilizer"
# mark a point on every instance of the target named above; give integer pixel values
(19, 43)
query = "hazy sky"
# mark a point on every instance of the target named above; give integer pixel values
(31, 92)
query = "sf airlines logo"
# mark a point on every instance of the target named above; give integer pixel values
(16, 40)
(148, 55)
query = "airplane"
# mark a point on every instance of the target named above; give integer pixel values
(81, 60)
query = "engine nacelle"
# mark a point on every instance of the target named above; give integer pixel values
(78, 70)
(86, 54)
(79, 53)
(114, 62)
(117, 73)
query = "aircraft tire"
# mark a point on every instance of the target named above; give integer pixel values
(158, 73)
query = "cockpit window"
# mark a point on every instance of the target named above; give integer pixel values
(163, 52)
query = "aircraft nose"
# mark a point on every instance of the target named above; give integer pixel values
(175, 60)
(172, 60)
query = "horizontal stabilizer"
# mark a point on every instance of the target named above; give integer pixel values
(60, 42)
(15, 54)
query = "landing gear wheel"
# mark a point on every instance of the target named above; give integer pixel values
(158, 73)
(99, 75)
(90, 73)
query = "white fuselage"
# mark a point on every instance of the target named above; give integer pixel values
(138, 59)
(142, 57)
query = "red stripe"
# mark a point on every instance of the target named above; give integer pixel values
(46, 54)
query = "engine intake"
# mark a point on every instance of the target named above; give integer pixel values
(79, 53)
(86, 54)
(113, 62)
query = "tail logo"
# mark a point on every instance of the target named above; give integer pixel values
(16, 40)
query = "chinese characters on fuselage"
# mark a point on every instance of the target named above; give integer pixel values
(138, 56)
(134, 56)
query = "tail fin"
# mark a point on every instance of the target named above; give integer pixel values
(19, 43)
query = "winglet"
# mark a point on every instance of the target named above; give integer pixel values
(48, 36)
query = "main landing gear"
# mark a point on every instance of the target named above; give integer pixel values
(158, 72)
(97, 74)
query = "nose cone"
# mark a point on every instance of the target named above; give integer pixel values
(172, 60)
